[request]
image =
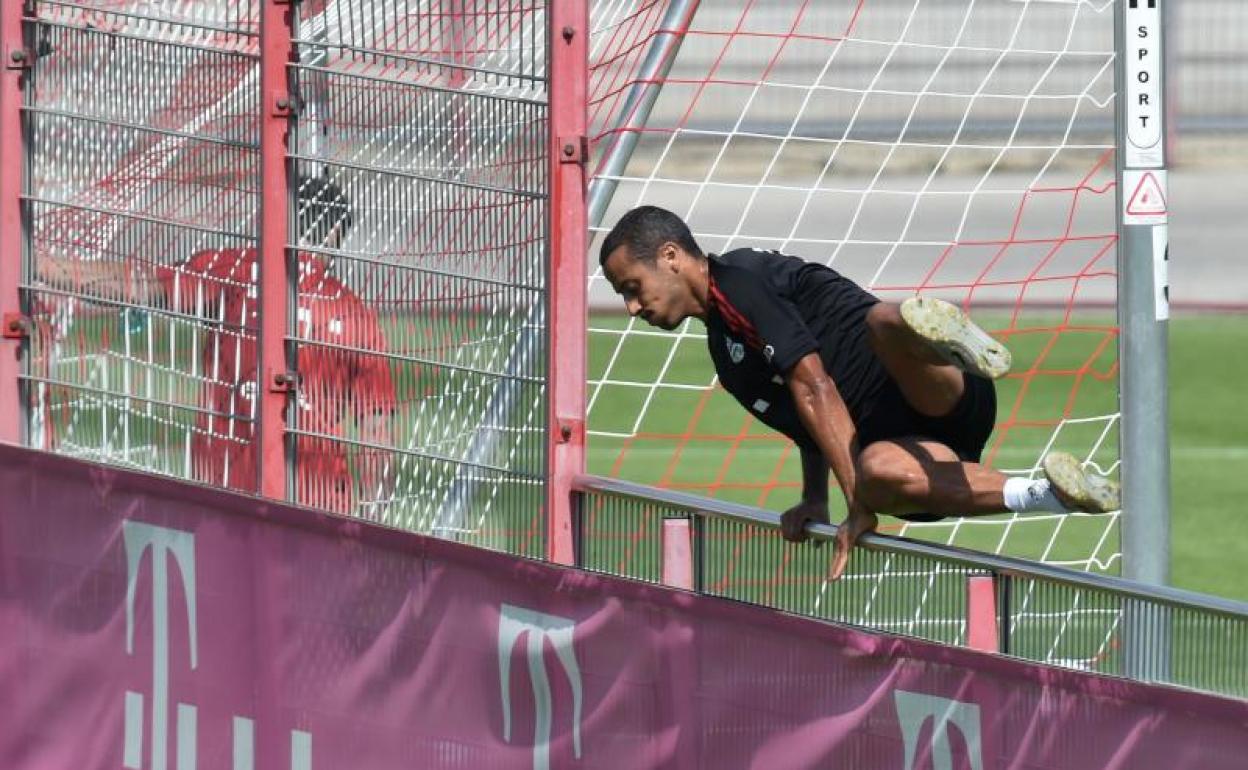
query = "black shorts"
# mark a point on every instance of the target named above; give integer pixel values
(965, 430)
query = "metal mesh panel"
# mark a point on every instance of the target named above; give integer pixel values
(895, 593)
(622, 536)
(741, 560)
(431, 118)
(185, 20)
(143, 143)
(1064, 624)
(1045, 614)
(1207, 651)
(416, 328)
(1090, 629)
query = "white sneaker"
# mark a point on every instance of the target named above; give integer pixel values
(954, 336)
(1079, 489)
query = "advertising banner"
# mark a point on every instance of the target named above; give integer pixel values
(149, 624)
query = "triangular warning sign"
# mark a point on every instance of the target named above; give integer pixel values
(1148, 198)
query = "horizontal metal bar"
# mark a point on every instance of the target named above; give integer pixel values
(416, 86)
(139, 217)
(417, 59)
(228, 326)
(414, 360)
(356, 256)
(113, 394)
(1005, 565)
(141, 127)
(77, 6)
(419, 177)
(510, 472)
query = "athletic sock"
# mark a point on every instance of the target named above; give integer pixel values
(1031, 495)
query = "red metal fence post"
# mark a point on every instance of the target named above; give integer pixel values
(568, 75)
(275, 107)
(678, 554)
(12, 69)
(981, 613)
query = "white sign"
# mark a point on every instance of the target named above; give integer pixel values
(1145, 129)
(1161, 272)
(1144, 197)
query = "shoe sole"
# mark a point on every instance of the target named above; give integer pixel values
(957, 339)
(1078, 488)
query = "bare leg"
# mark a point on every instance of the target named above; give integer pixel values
(928, 384)
(913, 475)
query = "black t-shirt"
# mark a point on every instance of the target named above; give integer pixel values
(767, 311)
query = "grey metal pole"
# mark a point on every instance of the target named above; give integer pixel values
(638, 105)
(452, 513)
(1143, 315)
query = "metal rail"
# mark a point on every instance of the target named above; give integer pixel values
(1005, 565)
(1043, 613)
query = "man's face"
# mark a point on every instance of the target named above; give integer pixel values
(652, 290)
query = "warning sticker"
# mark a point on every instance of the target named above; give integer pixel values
(1144, 197)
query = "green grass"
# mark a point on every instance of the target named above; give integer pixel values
(1209, 436)
(1209, 454)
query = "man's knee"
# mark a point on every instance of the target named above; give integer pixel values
(886, 472)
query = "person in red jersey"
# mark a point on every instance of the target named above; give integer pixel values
(342, 392)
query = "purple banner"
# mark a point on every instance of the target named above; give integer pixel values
(149, 624)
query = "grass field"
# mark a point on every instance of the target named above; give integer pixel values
(1209, 453)
(1209, 437)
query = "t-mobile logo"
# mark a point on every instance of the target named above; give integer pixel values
(914, 708)
(513, 622)
(176, 546)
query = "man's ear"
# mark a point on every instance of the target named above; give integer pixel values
(669, 254)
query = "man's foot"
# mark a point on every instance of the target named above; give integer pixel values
(955, 337)
(1077, 488)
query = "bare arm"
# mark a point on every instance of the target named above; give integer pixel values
(814, 503)
(826, 418)
(102, 278)
(814, 477)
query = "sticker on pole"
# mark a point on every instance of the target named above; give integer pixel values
(1161, 272)
(1144, 147)
(1144, 193)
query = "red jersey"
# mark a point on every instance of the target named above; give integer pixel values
(339, 384)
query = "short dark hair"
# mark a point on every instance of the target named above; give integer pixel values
(643, 230)
(321, 205)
